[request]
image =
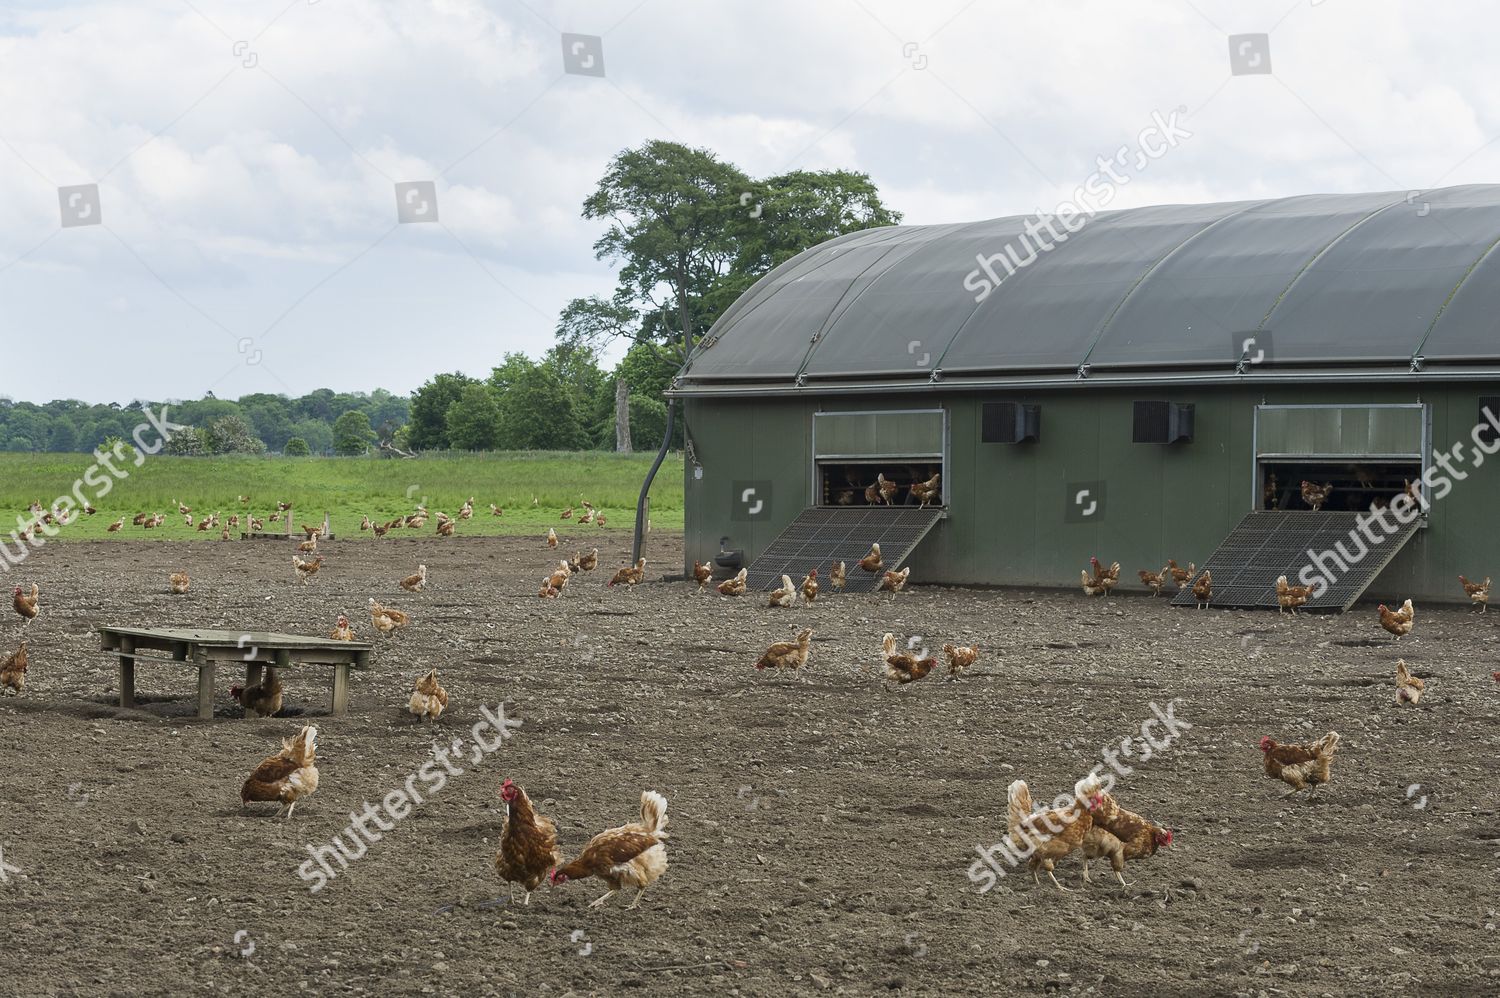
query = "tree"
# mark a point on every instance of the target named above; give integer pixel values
(352, 435)
(316, 433)
(537, 413)
(474, 420)
(694, 232)
(186, 442)
(429, 410)
(231, 435)
(296, 447)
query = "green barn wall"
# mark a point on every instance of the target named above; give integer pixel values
(1007, 504)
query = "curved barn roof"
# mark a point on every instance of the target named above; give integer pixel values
(1362, 286)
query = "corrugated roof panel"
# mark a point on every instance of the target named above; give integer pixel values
(1196, 305)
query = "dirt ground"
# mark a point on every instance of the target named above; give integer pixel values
(822, 831)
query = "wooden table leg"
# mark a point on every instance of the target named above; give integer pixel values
(205, 687)
(127, 672)
(340, 688)
(252, 674)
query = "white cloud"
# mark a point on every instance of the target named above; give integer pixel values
(263, 195)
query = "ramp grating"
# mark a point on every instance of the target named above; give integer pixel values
(822, 535)
(1271, 543)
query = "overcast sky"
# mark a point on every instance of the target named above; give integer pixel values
(246, 151)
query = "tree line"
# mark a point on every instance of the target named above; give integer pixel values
(689, 232)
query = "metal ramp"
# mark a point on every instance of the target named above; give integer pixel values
(822, 535)
(1271, 543)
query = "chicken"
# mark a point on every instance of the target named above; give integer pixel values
(1120, 835)
(872, 494)
(341, 630)
(1408, 687)
(567, 514)
(179, 582)
(116, 527)
(262, 699)
(889, 490)
(1289, 597)
(1048, 836)
(630, 576)
(428, 699)
(496, 510)
(894, 582)
(365, 523)
(559, 577)
(1398, 622)
(416, 583)
(287, 776)
(633, 855)
(306, 569)
(902, 667)
(809, 586)
(838, 576)
(734, 586)
(310, 532)
(387, 619)
(927, 492)
(788, 654)
(528, 844)
(702, 574)
(551, 538)
(1103, 579)
(1300, 766)
(589, 562)
(960, 658)
(445, 528)
(785, 596)
(872, 562)
(1316, 495)
(1478, 592)
(309, 546)
(13, 670)
(1153, 580)
(1203, 589)
(27, 606)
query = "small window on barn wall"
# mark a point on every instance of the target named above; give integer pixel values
(1010, 423)
(1162, 423)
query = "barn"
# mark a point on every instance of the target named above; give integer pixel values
(1139, 385)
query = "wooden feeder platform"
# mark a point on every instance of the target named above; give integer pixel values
(206, 649)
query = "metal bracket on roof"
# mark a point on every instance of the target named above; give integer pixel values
(1417, 361)
(936, 376)
(801, 380)
(1083, 371)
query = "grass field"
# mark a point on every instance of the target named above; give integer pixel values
(348, 488)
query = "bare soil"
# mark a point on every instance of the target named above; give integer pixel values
(822, 830)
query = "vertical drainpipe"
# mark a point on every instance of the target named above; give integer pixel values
(640, 505)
